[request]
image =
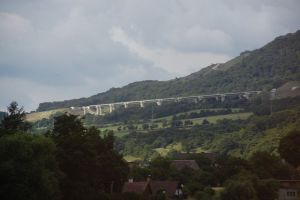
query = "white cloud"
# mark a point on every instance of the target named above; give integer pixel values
(172, 61)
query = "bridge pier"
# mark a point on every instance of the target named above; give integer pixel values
(99, 110)
(142, 104)
(125, 105)
(246, 95)
(196, 100)
(158, 102)
(111, 108)
(223, 98)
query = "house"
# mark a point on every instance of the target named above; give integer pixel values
(289, 190)
(142, 187)
(181, 164)
(190, 156)
(171, 189)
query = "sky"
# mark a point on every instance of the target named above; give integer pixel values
(52, 50)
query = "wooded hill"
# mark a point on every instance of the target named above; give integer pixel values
(262, 69)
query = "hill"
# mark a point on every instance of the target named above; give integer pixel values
(262, 69)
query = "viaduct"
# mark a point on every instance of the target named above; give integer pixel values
(99, 109)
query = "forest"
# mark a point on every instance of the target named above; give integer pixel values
(71, 161)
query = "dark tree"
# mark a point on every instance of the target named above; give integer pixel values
(289, 148)
(15, 120)
(205, 121)
(89, 162)
(28, 169)
(267, 166)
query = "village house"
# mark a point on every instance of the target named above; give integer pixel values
(181, 164)
(172, 189)
(289, 190)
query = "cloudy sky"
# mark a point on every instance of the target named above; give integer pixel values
(62, 49)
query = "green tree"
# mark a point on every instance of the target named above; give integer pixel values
(240, 187)
(205, 122)
(266, 166)
(89, 162)
(145, 126)
(160, 168)
(15, 120)
(28, 168)
(289, 148)
(267, 189)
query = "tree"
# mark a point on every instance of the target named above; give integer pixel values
(240, 187)
(239, 190)
(289, 148)
(205, 122)
(248, 186)
(160, 168)
(15, 120)
(267, 189)
(89, 162)
(266, 166)
(145, 126)
(28, 169)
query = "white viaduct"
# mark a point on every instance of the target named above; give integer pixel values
(98, 109)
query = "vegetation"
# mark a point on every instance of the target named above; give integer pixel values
(14, 121)
(235, 137)
(28, 168)
(69, 162)
(289, 148)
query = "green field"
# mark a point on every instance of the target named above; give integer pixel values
(210, 119)
(35, 116)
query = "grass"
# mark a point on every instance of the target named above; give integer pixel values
(210, 119)
(170, 147)
(35, 116)
(168, 118)
(130, 158)
(214, 119)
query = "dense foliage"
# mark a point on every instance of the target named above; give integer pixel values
(15, 120)
(89, 162)
(69, 162)
(289, 148)
(233, 137)
(28, 168)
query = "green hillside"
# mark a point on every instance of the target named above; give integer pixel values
(262, 69)
(235, 137)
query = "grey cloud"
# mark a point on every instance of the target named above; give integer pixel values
(60, 49)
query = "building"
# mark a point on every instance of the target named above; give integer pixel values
(172, 189)
(289, 190)
(142, 187)
(212, 157)
(181, 164)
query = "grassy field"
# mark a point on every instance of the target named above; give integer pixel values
(167, 149)
(197, 110)
(210, 119)
(35, 116)
(214, 119)
(129, 158)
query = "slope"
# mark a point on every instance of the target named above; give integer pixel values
(261, 69)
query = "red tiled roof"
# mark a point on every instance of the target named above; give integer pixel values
(168, 186)
(188, 156)
(180, 164)
(290, 184)
(136, 187)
